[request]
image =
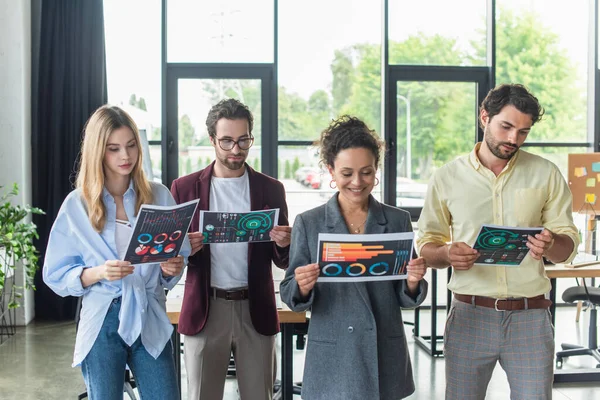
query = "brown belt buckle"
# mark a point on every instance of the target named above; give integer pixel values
(496, 305)
(525, 304)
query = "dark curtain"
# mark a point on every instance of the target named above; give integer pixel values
(71, 85)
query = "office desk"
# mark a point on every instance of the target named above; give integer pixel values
(286, 319)
(561, 271)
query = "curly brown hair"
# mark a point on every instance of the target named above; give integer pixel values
(228, 109)
(348, 132)
(515, 95)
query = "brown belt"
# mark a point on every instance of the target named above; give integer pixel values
(505, 304)
(235, 294)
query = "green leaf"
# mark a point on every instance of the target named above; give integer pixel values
(16, 242)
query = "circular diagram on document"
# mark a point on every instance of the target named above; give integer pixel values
(332, 269)
(495, 239)
(261, 221)
(170, 248)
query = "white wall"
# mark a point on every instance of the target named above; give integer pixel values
(15, 111)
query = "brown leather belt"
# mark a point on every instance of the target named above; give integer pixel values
(505, 304)
(234, 294)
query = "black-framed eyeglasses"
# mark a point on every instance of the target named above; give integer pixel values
(229, 144)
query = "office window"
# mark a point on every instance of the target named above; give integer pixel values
(436, 124)
(329, 64)
(195, 99)
(436, 32)
(132, 35)
(220, 31)
(544, 45)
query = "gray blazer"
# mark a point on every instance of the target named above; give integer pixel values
(356, 343)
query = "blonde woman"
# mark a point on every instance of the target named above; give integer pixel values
(123, 320)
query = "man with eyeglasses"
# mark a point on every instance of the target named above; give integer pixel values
(229, 300)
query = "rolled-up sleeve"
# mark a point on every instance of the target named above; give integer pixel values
(406, 300)
(557, 214)
(435, 220)
(62, 266)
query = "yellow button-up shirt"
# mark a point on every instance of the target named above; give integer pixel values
(463, 194)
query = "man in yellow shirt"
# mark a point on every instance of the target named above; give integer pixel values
(499, 313)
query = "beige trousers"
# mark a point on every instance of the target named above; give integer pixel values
(229, 329)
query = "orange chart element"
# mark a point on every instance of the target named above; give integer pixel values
(351, 252)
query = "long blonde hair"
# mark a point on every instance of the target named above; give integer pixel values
(90, 177)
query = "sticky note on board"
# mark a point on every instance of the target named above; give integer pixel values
(596, 166)
(598, 177)
(580, 171)
(590, 182)
(590, 198)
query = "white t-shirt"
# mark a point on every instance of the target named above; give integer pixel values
(229, 261)
(123, 232)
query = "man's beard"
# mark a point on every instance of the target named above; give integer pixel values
(233, 165)
(495, 147)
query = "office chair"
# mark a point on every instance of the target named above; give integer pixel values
(129, 384)
(591, 295)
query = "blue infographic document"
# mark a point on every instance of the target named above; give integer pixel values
(159, 232)
(503, 245)
(241, 227)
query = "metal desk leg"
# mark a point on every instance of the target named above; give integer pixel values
(176, 341)
(287, 361)
(429, 342)
(553, 299)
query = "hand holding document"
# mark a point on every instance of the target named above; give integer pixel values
(159, 232)
(503, 245)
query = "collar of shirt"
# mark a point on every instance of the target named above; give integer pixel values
(476, 163)
(130, 192)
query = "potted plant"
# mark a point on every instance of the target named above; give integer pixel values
(16, 249)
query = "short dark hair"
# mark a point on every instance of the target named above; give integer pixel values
(515, 95)
(347, 132)
(229, 109)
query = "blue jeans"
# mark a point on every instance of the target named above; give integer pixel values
(104, 367)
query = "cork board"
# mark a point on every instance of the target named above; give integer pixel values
(584, 180)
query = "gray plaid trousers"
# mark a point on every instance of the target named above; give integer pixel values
(476, 338)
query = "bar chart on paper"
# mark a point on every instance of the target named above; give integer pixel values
(364, 257)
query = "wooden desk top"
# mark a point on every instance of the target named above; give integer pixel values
(562, 271)
(286, 315)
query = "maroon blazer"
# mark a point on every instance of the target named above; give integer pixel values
(265, 193)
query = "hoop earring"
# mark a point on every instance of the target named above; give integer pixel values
(376, 181)
(332, 184)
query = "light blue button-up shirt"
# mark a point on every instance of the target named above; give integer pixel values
(74, 245)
